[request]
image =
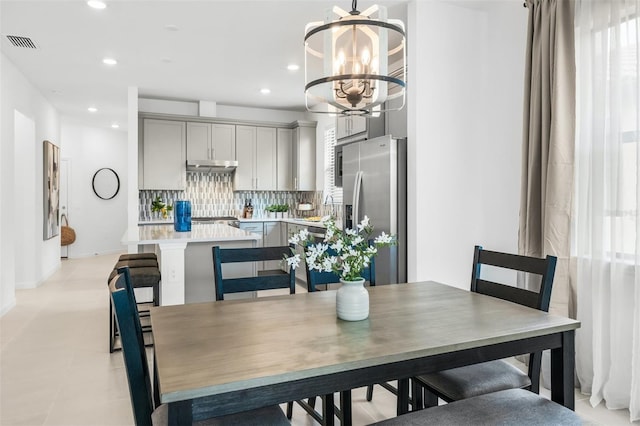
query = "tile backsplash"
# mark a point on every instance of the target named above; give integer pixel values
(211, 194)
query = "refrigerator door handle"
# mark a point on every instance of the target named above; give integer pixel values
(356, 199)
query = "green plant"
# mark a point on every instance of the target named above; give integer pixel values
(277, 208)
(344, 253)
(157, 205)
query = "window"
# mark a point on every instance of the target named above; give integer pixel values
(608, 134)
(332, 193)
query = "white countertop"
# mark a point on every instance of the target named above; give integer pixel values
(210, 232)
(298, 221)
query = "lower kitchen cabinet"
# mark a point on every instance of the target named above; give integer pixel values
(272, 238)
(270, 232)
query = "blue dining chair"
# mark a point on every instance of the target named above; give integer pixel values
(263, 280)
(135, 360)
(477, 379)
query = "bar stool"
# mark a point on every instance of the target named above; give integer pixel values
(145, 273)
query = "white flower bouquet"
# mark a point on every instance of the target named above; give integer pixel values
(345, 253)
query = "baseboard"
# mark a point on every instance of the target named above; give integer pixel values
(28, 285)
(106, 252)
(8, 307)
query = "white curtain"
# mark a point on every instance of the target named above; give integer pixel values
(607, 215)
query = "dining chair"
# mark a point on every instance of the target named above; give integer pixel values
(506, 407)
(472, 380)
(144, 273)
(137, 368)
(263, 280)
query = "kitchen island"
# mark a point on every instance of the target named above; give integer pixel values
(186, 264)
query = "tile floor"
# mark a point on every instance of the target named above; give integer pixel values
(55, 367)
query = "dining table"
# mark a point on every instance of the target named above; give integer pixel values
(218, 358)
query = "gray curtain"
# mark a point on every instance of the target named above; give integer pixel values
(548, 142)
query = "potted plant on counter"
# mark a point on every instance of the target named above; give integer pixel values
(283, 209)
(274, 209)
(158, 206)
(271, 210)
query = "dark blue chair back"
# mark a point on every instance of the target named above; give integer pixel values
(540, 300)
(268, 281)
(315, 278)
(133, 349)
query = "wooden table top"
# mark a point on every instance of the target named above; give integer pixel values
(217, 347)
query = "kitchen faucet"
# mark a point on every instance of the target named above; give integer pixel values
(326, 201)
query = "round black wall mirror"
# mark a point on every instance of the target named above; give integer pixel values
(106, 183)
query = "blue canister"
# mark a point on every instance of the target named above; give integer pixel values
(182, 216)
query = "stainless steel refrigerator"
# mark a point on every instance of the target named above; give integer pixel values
(374, 184)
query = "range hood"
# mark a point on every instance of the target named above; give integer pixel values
(211, 166)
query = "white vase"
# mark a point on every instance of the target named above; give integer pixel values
(352, 301)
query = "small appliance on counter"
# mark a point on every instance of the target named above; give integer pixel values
(182, 216)
(305, 209)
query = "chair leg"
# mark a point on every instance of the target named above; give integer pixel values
(369, 392)
(312, 402)
(430, 399)
(112, 328)
(289, 410)
(416, 396)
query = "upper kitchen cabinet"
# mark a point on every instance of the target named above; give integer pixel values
(360, 127)
(304, 156)
(256, 155)
(163, 155)
(350, 125)
(207, 141)
(284, 160)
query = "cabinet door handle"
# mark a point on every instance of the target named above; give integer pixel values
(295, 183)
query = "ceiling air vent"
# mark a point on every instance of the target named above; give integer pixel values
(25, 42)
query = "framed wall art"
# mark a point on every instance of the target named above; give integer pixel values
(51, 191)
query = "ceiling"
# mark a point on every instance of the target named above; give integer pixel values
(222, 51)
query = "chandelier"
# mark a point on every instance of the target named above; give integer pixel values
(355, 62)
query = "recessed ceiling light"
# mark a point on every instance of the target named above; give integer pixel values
(96, 4)
(109, 61)
(293, 67)
(92, 109)
(115, 126)
(171, 27)
(265, 91)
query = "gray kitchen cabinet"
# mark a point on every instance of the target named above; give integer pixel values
(360, 127)
(207, 141)
(284, 160)
(163, 155)
(272, 238)
(304, 156)
(255, 228)
(256, 155)
(350, 125)
(270, 234)
(246, 156)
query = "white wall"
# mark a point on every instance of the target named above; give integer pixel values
(464, 126)
(99, 224)
(38, 259)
